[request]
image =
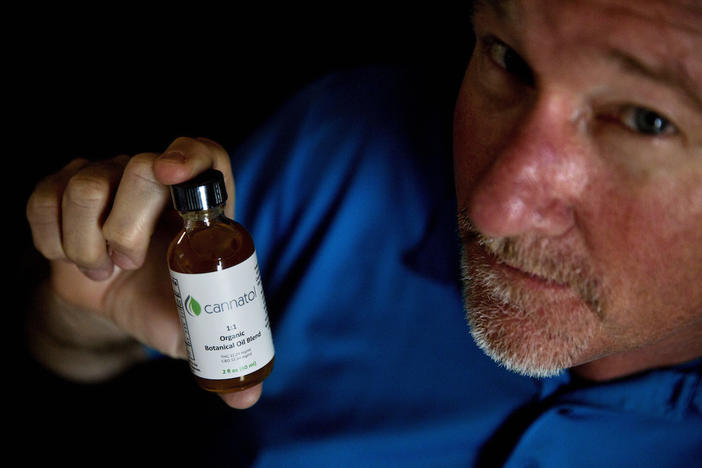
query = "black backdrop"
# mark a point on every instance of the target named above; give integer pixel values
(95, 84)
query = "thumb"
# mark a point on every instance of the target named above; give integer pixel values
(187, 157)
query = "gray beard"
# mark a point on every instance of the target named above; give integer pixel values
(518, 333)
(531, 334)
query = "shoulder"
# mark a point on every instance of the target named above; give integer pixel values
(373, 138)
(346, 109)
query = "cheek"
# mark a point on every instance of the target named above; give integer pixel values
(651, 249)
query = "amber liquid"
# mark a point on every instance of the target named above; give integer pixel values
(207, 245)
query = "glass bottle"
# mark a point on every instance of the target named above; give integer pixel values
(217, 287)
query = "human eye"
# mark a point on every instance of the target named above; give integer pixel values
(506, 58)
(646, 121)
(641, 138)
(641, 121)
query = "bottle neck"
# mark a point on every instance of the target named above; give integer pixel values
(202, 218)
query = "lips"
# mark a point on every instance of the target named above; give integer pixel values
(513, 272)
(540, 280)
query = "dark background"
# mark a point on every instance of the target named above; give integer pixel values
(96, 82)
(93, 84)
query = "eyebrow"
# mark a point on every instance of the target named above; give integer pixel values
(674, 75)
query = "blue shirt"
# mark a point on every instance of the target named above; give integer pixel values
(348, 194)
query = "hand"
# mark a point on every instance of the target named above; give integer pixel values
(104, 228)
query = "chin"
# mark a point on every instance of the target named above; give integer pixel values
(525, 324)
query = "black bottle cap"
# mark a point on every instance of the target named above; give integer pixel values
(202, 192)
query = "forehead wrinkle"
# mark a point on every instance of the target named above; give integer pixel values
(683, 16)
(671, 55)
(660, 41)
(663, 47)
(674, 74)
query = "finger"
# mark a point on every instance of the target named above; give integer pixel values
(137, 206)
(187, 157)
(43, 211)
(243, 399)
(85, 202)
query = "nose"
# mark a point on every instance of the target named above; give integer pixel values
(535, 175)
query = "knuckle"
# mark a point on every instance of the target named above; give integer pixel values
(183, 140)
(140, 166)
(87, 190)
(42, 207)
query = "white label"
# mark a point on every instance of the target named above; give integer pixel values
(224, 317)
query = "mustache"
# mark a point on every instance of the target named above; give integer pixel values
(540, 257)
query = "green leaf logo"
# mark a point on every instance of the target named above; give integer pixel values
(192, 306)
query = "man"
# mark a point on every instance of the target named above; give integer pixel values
(577, 160)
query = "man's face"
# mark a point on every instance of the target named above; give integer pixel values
(578, 162)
